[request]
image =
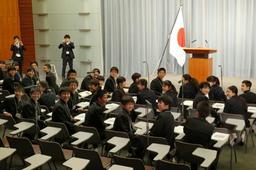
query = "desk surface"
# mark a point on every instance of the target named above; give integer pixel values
(208, 155)
(50, 132)
(3, 121)
(239, 123)
(36, 161)
(76, 163)
(22, 126)
(160, 149)
(81, 137)
(6, 152)
(119, 167)
(119, 143)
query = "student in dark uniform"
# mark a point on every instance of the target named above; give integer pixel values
(50, 78)
(133, 87)
(101, 80)
(91, 75)
(67, 54)
(18, 49)
(71, 75)
(3, 72)
(170, 90)
(74, 97)
(110, 84)
(189, 88)
(48, 97)
(61, 112)
(95, 116)
(216, 93)
(29, 81)
(164, 124)
(249, 96)
(203, 94)
(94, 88)
(119, 91)
(10, 82)
(156, 84)
(34, 66)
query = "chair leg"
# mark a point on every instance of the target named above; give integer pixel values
(4, 132)
(246, 141)
(235, 155)
(251, 134)
(49, 164)
(231, 157)
(55, 165)
(10, 162)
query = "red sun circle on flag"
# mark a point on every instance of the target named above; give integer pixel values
(181, 37)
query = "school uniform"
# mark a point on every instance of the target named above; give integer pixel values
(18, 55)
(173, 94)
(117, 94)
(73, 101)
(199, 97)
(28, 83)
(156, 86)
(189, 91)
(110, 84)
(51, 80)
(216, 93)
(249, 97)
(133, 89)
(147, 95)
(85, 83)
(12, 105)
(47, 99)
(10, 83)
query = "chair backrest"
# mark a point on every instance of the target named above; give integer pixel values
(184, 152)
(4, 93)
(148, 140)
(31, 130)
(10, 123)
(112, 133)
(63, 134)
(22, 145)
(1, 143)
(95, 139)
(225, 116)
(52, 149)
(135, 163)
(165, 165)
(93, 156)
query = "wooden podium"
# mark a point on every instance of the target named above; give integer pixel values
(200, 65)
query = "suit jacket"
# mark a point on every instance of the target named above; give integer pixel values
(2, 74)
(189, 91)
(133, 88)
(30, 108)
(173, 95)
(149, 95)
(51, 80)
(93, 98)
(74, 99)
(86, 82)
(216, 93)
(118, 94)
(199, 97)
(28, 83)
(16, 51)
(48, 99)
(10, 83)
(67, 50)
(156, 86)
(198, 131)
(249, 97)
(11, 105)
(110, 85)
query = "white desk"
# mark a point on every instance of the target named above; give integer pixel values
(208, 155)
(76, 163)
(36, 161)
(49, 114)
(252, 109)
(143, 111)
(22, 126)
(218, 105)
(176, 115)
(142, 127)
(221, 138)
(188, 103)
(239, 123)
(111, 107)
(10, 96)
(3, 121)
(119, 143)
(160, 149)
(6, 152)
(50, 132)
(119, 167)
(210, 119)
(81, 118)
(179, 130)
(110, 122)
(83, 104)
(84, 94)
(81, 137)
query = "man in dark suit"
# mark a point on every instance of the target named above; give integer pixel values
(50, 78)
(133, 87)
(67, 54)
(249, 96)
(71, 75)
(95, 116)
(94, 88)
(156, 84)
(203, 94)
(29, 81)
(10, 82)
(48, 97)
(74, 97)
(119, 91)
(110, 84)
(18, 49)
(91, 75)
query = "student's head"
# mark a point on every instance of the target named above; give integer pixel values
(12, 71)
(120, 81)
(94, 85)
(16, 39)
(30, 72)
(47, 68)
(101, 80)
(43, 85)
(204, 88)
(167, 86)
(34, 65)
(2, 65)
(127, 103)
(96, 72)
(35, 93)
(213, 80)
(164, 103)
(16, 65)
(231, 91)
(246, 85)
(203, 109)
(161, 72)
(136, 77)
(142, 84)
(186, 78)
(102, 97)
(71, 75)
(18, 92)
(67, 38)
(114, 72)
(72, 85)
(64, 94)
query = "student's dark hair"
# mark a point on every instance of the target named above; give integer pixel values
(233, 89)
(247, 83)
(30, 69)
(204, 85)
(63, 89)
(72, 81)
(169, 84)
(213, 79)
(71, 71)
(100, 93)
(19, 88)
(127, 99)
(44, 84)
(96, 70)
(34, 62)
(11, 68)
(135, 76)
(161, 69)
(16, 36)
(100, 78)
(114, 69)
(191, 80)
(167, 100)
(143, 82)
(66, 36)
(94, 82)
(48, 66)
(120, 80)
(203, 109)
(35, 89)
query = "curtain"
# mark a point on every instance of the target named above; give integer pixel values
(137, 31)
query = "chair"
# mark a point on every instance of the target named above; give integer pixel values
(93, 156)
(148, 140)
(3, 93)
(166, 165)
(95, 139)
(63, 135)
(9, 124)
(54, 150)
(135, 163)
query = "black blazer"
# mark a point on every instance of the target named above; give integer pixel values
(17, 50)
(199, 97)
(51, 80)
(48, 99)
(110, 85)
(11, 105)
(216, 93)
(86, 82)
(249, 97)
(74, 99)
(149, 95)
(133, 88)
(189, 90)
(67, 50)
(156, 86)
(10, 83)
(173, 95)
(29, 110)
(117, 94)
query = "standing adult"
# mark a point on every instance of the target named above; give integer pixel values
(18, 49)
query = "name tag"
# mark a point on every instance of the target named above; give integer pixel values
(67, 52)
(18, 55)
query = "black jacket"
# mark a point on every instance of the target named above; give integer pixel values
(11, 105)
(86, 82)
(216, 93)
(74, 99)
(199, 97)
(156, 86)
(28, 83)
(133, 88)
(173, 95)
(51, 80)
(3, 74)
(67, 50)
(149, 95)
(110, 85)
(117, 94)
(10, 83)
(30, 108)
(17, 51)
(48, 99)
(189, 91)
(249, 97)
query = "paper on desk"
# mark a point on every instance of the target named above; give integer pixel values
(143, 111)
(110, 121)
(179, 129)
(219, 136)
(85, 94)
(83, 104)
(80, 116)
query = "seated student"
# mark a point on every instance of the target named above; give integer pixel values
(91, 75)
(101, 80)
(170, 90)
(29, 81)
(94, 88)
(249, 96)
(71, 75)
(164, 124)
(61, 112)
(156, 84)
(48, 97)
(203, 93)
(236, 104)
(13, 106)
(18, 75)
(3, 73)
(110, 84)
(95, 116)
(145, 94)
(133, 87)
(216, 93)
(119, 91)
(34, 66)
(74, 97)
(50, 78)
(189, 88)
(10, 82)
